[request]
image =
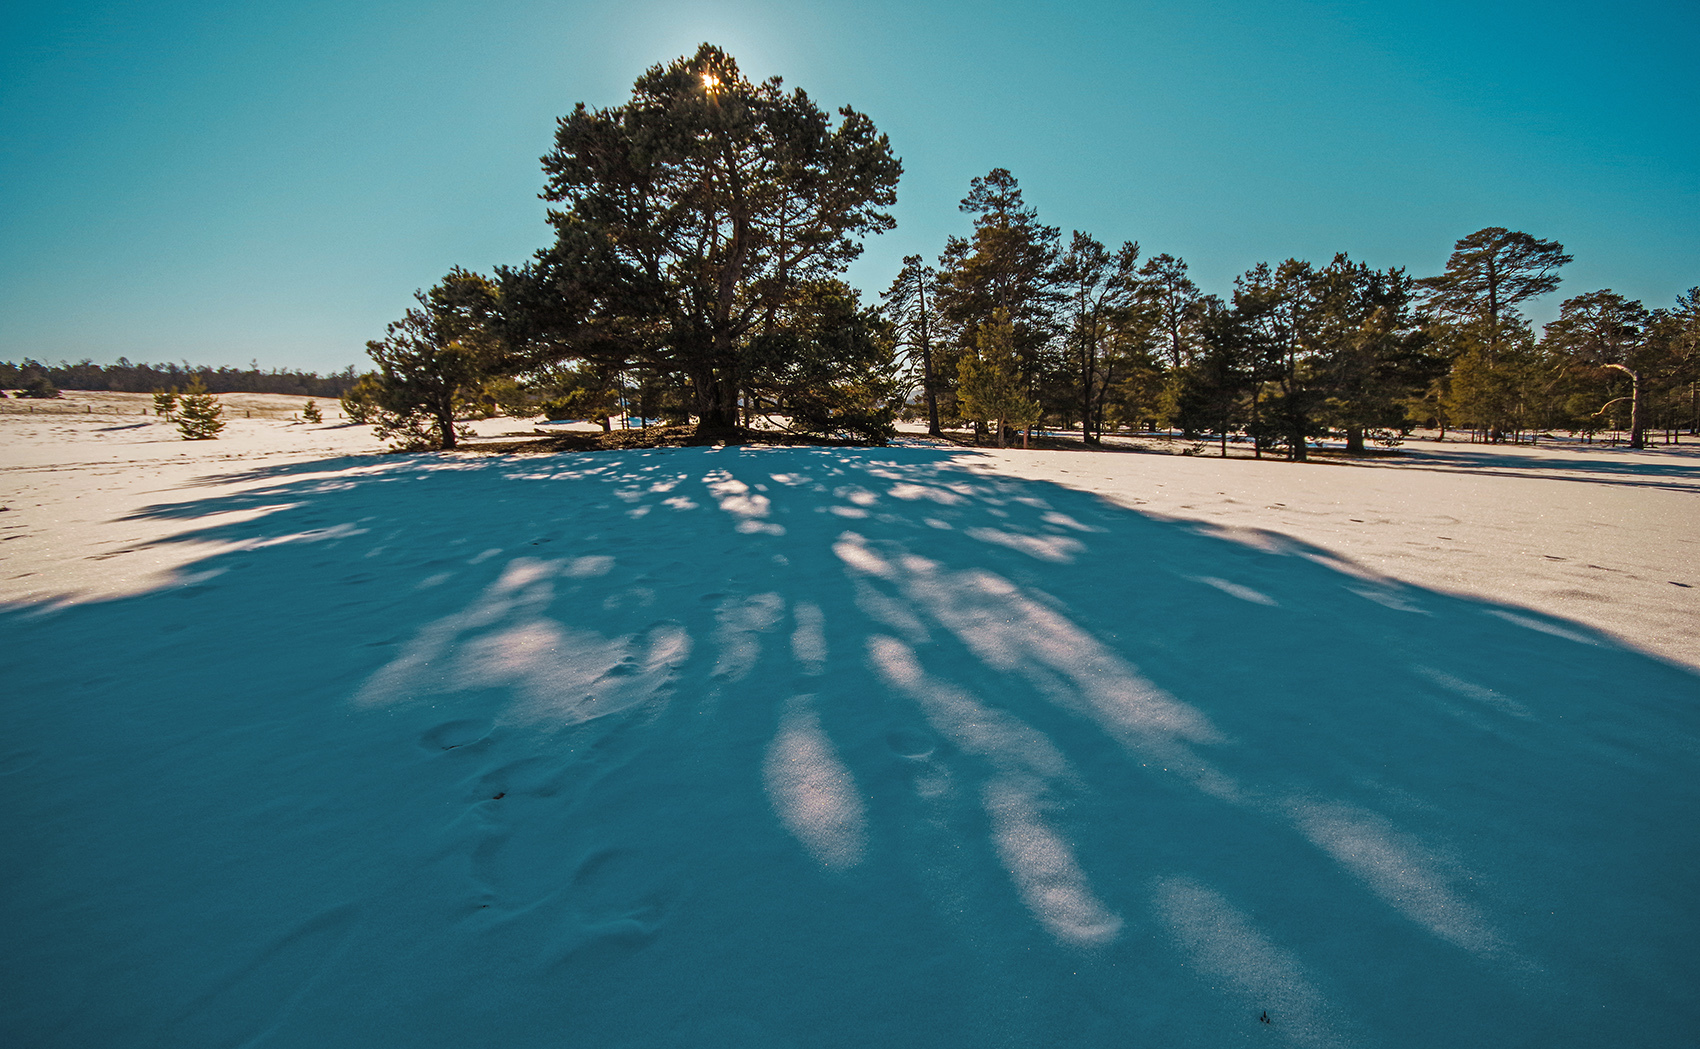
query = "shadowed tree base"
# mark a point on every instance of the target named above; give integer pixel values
(655, 437)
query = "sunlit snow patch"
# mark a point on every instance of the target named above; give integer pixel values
(736, 498)
(1543, 627)
(812, 791)
(1244, 593)
(740, 621)
(1224, 943)
(1404, 874)
(808, 641)
(1479, 693)
(560, 675)
(1044, 868)
(1057, 548)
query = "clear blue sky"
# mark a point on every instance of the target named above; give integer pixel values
(224, 182)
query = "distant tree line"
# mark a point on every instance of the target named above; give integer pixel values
(124, 377)
(1100, 340)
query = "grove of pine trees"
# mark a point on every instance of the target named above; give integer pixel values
(700, 232)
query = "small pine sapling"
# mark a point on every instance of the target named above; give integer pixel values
(311, 413)
(165, 402)
(198, 413)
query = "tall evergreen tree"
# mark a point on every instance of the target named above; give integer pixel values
(1264, 312)
(1102, 288)
(1678, 330)
(1278, 305)
(1490, 274)
(1211, 387)
(1371, 350)
(429, 362)
(688, 218)
(1176, 300)
(831, 367)
(1496, 395)
(913, 303)
(1010, 264)
(1602, 329)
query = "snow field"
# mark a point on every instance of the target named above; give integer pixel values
(797, 747)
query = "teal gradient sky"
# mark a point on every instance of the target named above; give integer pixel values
(226, 182)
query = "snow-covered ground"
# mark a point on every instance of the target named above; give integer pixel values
(843, 747)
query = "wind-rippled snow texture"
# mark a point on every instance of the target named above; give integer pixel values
(558, 674)
(1028, 768)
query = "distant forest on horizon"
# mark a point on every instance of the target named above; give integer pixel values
(125, 377)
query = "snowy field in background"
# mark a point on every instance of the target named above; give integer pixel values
(843, 747)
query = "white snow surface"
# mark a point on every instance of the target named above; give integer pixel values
(912, 746)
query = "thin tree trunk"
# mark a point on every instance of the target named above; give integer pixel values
(1637, 410)
(1256, 426)
(928, 385)
(1086, 356)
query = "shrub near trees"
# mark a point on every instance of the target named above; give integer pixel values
(701, 228)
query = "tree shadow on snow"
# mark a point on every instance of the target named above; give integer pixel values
(822, 746)
(1676, 468)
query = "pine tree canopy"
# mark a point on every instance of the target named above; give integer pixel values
(1490, 273)
(688, 219)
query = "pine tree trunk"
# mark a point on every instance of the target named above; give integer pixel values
(717, 404)
(1256, 426)
(933, 429)
(928, 385)
(1637, 409)
(446, 428)
(1085, 397)
(1637, 415)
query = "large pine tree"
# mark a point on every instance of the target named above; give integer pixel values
(688, 219)
(1009, 263)
(912, 302)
